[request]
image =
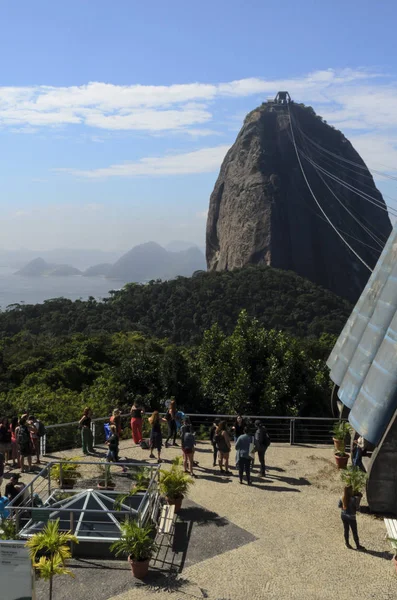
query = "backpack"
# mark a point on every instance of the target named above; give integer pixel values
(23, 436)
(188, 441)
(262, 440)
(41, 429)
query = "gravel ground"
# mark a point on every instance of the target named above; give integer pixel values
(299, 552)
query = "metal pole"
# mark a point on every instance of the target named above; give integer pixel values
(49, 480)
(291, 433)
(71, 529)
(60, 475)
(93, 432)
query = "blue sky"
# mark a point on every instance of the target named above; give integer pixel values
(115, 116)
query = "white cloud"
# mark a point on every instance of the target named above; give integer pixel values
(345, 95)
(205, 160)
(202, 214)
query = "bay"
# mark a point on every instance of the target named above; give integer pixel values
(33, 290)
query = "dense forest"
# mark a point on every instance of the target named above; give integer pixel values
(182, 309)
(253, 340)
(253, 369)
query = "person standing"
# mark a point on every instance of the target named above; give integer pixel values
(238, 427)
(86, 433)
(213, 441)
(24, 443)
(156, 438)
(170, 417)
(359, 445)
(34, 436)
(137, 413)
(115, 419)
(222, 440)
(348, 514)
(262, 442)
(113, 445)
(5, 439)
(188, 443)
(14, 445)
(243, 446)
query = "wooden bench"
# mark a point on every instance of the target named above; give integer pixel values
(391, 528)
(167, 519)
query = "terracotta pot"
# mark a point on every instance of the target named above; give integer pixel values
(177, 502)
(341, 461)
(67, 484)
(140, 568)
(101, 485)
(339, 444)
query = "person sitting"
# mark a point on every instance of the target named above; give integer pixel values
(13, 488)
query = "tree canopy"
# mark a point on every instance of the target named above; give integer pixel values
(182, 309)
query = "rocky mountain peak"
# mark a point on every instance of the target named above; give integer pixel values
(262, 212)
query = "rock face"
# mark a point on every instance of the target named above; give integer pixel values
(262, 212)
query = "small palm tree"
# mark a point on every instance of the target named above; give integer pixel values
(53, 545)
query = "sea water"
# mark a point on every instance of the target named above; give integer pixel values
(32, 290)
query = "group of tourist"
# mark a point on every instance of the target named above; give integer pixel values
(19, 441)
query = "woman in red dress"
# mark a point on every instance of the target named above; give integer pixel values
(137, 413)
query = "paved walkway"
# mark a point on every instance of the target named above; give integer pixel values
(284, 538)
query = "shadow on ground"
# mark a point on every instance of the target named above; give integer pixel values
(196, 538)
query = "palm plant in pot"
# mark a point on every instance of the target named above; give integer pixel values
(138, 544)
(52, 546)
(175, 483)
(357, 479)
(340, 431)
(66, 473)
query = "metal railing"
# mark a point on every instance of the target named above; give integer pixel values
(40, 499)
(283, 430)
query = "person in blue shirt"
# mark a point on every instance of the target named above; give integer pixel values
(243, 445)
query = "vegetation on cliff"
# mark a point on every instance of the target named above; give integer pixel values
(182, 309)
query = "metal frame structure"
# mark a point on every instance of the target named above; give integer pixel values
(83, 509)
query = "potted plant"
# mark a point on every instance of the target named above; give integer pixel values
(142, 480)
(138, 544)
(53, 546)
(356, 478)
(175, 483)
(341, 456)
(66, 473)
(340, 432)
(106, 482)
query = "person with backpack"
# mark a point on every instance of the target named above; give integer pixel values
(156, 436)
(24, 443)
(262, 442)
(222, 440)
(113, 445)
(188, 443)
(243, 448)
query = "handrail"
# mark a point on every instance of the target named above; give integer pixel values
(284, 429)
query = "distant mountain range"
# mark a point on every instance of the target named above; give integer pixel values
(142, 263)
